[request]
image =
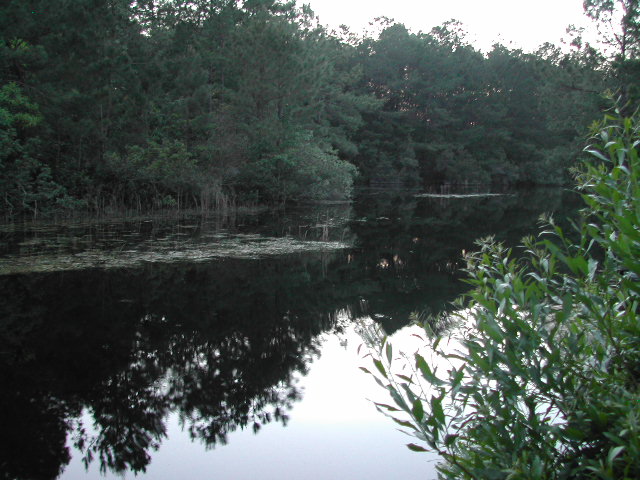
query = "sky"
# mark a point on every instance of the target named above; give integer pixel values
(515, 23)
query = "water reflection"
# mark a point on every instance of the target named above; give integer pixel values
(410, 249)
(221, 343)
(218, 343)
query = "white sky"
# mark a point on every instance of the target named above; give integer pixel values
(515, 23)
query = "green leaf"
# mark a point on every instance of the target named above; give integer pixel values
(436, 409)
(387, 407)
(405, 378)
(493, 331)
(418, 410)
(380, 367)
(613, 453)
(428, 375)
(416, 448)
(450, 439)
(404, 423)
(398, 399)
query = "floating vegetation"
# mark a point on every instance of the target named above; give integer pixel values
(460, 195)
(221, 245)
(43, 246)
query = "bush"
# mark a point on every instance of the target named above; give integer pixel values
(546, 380)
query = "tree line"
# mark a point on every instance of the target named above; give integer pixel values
(119, 104)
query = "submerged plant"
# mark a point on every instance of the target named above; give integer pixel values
(542, 378)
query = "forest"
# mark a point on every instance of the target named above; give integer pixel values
(112, 105)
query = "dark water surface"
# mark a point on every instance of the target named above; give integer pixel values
(226, 348)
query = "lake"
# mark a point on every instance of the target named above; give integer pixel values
(228, 347)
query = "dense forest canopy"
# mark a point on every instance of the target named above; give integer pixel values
(113, 104)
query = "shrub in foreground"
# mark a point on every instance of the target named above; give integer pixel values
(545, 380)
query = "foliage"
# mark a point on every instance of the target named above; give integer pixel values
(25, 182)
(163, 173)
(151, 104)
(229, 86)
(303, 171)
(544, 384)
(618, 24)
(468, 117)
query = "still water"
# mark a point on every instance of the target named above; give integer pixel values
(206, 347)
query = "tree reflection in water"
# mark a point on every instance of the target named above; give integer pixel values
(219, 343)
(132, 346)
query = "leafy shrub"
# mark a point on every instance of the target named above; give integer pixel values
(545, 383)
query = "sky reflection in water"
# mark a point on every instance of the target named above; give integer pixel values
(335, 432)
